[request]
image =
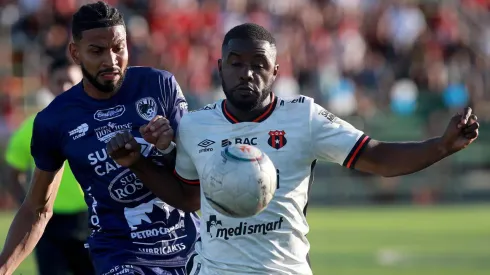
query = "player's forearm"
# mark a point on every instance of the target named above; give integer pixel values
(163, 183)
(169, 160)
(395, 159)
(24, 233)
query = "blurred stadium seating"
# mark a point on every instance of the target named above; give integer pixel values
(397, 69)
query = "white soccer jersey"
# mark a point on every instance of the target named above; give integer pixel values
(294, 134)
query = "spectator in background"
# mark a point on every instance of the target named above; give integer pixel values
(61, 249)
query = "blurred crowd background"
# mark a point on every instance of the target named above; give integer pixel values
(397, 69)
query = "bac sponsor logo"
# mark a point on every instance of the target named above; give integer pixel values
(216, 229)
(146, 108)
(105, 133)
(277, 139)
(79, 132)
(225, 143)
(106, 114)
(247, 141)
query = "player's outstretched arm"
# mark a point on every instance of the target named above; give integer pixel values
(124, 149)
(396, 159)
(31, 219)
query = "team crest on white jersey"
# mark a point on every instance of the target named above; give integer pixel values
(277, 139)
(147, 108)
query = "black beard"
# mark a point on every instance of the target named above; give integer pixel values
(105, 88)
(246, 106)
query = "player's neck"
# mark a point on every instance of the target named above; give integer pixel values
(94, 92)
(249, 115)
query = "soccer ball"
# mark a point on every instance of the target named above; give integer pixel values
(239, 181)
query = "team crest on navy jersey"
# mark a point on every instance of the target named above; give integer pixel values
(277, 139)
(147, 108)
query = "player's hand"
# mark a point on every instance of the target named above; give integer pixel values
(124, 149)
(461, 131)
(158, 132)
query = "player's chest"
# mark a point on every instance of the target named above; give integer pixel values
(86, 136)
(287, 146)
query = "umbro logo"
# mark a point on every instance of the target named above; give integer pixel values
(205, 144)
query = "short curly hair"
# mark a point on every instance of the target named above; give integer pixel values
(95, 15)
(249, 31)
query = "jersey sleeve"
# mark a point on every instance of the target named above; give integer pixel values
(185, 169)
(176, 104)
(18, 153)
(46, 145)
(335, 140)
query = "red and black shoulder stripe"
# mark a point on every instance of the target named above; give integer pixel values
(353, 156)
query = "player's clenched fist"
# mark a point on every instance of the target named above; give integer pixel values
(158, 132)
(124, 149)
(461, 131)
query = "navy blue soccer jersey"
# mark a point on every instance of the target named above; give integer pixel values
(130, 224)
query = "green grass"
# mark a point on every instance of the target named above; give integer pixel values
(408, 240)
(449, 240)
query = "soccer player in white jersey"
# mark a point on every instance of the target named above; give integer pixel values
(294, 134)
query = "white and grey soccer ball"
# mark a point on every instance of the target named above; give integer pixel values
(239, 181)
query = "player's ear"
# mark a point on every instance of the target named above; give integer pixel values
(74, 53)
(275, 72)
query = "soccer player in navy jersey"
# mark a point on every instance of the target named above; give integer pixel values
(133, 231)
